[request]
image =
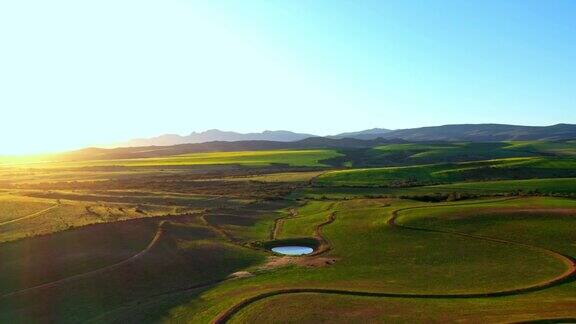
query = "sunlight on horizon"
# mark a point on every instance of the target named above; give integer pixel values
(78, 74)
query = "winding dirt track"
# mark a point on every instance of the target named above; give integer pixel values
(111, 267)
(38, 213)
(324, 244)
(294, 214)
(568, 275)
(280, 221)
(222, 233)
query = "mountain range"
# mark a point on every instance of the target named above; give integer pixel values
(216, 135)
(459, 132)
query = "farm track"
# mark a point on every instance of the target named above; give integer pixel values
(153, 299)
(38, 213)
(567, 276)
(98, 271)
(294, 214)
(324, 244)
(280, 221)
(156, 298)
(222, 233)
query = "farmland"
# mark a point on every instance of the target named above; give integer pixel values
(290, 157)
(408, 267)
(406, 232)
(501, 169)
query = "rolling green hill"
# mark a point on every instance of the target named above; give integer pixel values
(400, 154)
(500, 169)
(405, 232)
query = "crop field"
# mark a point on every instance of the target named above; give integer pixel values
(511, 168)
(423, 232)
(160, 259)
(301, 162)
(281, 177)
(559, 186)
(374, 257)
(567, 148)
(289, 157)
(546, 224)
(474, 151)
(406, 154)
(15, 208)
(30, 214)
(303, 223)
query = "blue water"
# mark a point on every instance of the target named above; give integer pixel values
(293, 250)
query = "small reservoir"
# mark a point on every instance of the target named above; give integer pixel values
(293, 250)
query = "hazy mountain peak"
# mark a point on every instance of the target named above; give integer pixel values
(453, 132)
(212, 135)
(364, 134)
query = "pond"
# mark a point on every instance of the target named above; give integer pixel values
(293, 250)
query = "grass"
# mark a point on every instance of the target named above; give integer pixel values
(548, 186)
(545, 228)
(77, 209)
(451, 172)
(30, 216)
(304, 308)
(14, 207)
(442, 152)
(453, 151)
(474, 151)
(559, 186)
(373, 257)
(107, 211)
(281, 177)
(304, 223)
(186, 254)
(253, 158)
(567, 148)
(539, 222)
(370, 256)
(51, 254)
(139, 198)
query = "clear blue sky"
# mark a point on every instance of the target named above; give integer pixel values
(77, 73)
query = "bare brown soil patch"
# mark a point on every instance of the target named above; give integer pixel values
(240, 274)
(274, 262)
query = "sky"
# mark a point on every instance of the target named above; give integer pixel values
(92, 72)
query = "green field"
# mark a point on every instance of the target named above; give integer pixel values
(289, 157)
(288, 162)
(450, 151)
(451, 172)
(549, 228)
(425, 232)
(373, 257)
(567, 148)
(552, 186)
(560, 186)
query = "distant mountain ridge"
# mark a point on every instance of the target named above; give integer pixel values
(365, 134)
(478, 133)
(213, 135)
(457, 132)
(93, 153)
(447, 133)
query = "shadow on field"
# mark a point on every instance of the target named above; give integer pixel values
(102, 272)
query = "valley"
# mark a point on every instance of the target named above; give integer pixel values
(441, 227)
